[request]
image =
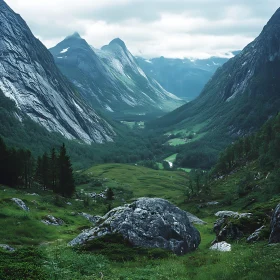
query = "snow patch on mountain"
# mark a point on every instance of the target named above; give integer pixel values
(65, 50)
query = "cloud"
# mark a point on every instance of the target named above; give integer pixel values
(151, 28)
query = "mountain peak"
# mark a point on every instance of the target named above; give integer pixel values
(74, 35)
(118, 41)
(275, 19)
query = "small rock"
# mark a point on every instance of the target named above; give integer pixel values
(33, 194)
(195, 220)
(7, 248)
(256, 235)
(211, 203)
(69, 203)
(20, 203)
(221, 246)
(91, 218)
(52, 221)
(275, 226)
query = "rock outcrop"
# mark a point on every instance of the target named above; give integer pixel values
(256, 235)
(20, 203)
(149, 223)
(275, 226)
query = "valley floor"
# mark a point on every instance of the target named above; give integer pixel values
(42, 251)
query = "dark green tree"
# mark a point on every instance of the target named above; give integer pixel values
(66, 186)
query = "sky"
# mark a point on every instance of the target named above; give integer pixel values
(151, 28)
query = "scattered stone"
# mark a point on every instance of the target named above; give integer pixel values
(275, 226)
(69, 203)
(33, 194)
(7, 248)
(195, 220)
(212, 203)
(20, 203)
(256, 235)
(236, 215)
(148, 223)
(91, 218)
(52, 221)
(221, 246)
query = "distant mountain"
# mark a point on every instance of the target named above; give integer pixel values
(29, 77)
(111, 79)
(241, 96)
(185, 78)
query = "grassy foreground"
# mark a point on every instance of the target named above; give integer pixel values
(42, 251)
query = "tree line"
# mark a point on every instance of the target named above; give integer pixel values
(53, 171)
(263, 147)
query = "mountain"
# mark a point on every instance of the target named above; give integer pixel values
(29, 77)
(111, 79)
(240, 97)
(183, 77)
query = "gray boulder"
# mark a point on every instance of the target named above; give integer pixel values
(52, 221)
(275, 226)
(221, 246)
(148, 223)
(7, 248)
(236, 215)
(20, 203)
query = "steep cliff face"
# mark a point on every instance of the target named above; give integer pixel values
(29, 76)
(110, 78)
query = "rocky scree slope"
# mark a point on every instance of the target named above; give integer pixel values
(111, 79)
(242, 94)
(29, 77)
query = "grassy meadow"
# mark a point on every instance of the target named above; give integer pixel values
(42, 251)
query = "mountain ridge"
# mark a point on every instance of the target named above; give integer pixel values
(110, 78)
(29, 76)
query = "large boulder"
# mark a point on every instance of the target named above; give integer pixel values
(275, 226)
(148, 223)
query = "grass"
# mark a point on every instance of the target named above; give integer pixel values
(53, 259)
(171, 158)
(141, 181)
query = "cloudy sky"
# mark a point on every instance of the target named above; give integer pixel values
(151, 28)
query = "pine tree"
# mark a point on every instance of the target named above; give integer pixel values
(53, 169)
(66, 185)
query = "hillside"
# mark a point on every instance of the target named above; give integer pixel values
(241, 96)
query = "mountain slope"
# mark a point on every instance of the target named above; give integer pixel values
(240, 97)
(183, 77)
(110, 78)
(29, 76)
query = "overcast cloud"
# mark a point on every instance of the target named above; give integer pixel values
(151, 28)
